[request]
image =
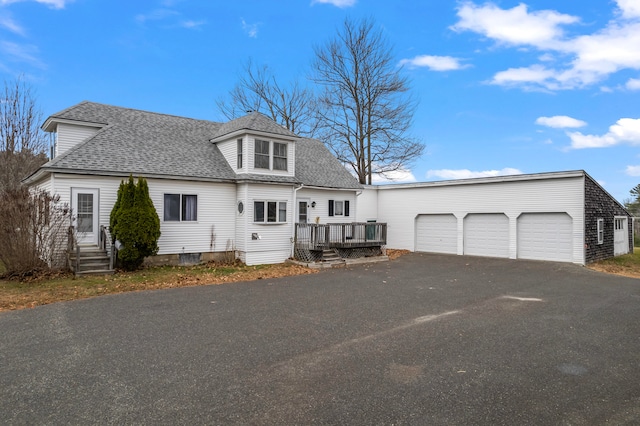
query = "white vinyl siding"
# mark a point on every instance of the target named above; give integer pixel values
(229, 150)
(216, 202)
(70, 135)
(274, 239)
(399, 206)
(241, 221)
(545, 236)
(437, 233)
(320, 212)
(486, 234)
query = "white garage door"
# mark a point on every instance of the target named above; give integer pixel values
(486, 234)
(437, 233)
(545, 236)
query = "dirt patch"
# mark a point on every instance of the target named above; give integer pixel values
(393, 254)
(625, 271)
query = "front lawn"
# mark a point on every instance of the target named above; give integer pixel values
(19, 295)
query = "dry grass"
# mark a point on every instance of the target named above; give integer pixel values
(42, 291)
(627, 265)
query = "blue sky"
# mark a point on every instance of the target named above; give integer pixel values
(504, 87)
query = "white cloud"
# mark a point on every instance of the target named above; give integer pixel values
(250, 29)
(468, 174)
(632, 171)
(156, 15)
(55, 4)
(570, 62)
(434, 63)
(629, 8)
(398, 176)
(338, 3)
(514, 26)
(192, 24)
(626, 130)
(560, 122)
(21, 53)
(7, 22)
(633, 84)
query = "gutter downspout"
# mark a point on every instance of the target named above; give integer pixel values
(293, 216)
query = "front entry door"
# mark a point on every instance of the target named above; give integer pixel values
(84, 203)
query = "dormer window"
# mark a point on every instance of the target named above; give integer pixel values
(263, 155)
(239, 154)
(279, 156)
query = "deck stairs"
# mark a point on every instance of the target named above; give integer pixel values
(331, 256)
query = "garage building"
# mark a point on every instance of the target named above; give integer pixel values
(559, 216)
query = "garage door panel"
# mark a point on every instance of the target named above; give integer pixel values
(437, 233)
(545, 236)
(486, 234)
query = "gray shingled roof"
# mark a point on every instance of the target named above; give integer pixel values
(254, 121)
(152, 144)
(316, 166)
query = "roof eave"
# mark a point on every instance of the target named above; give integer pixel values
(246, 131)
(51, 123)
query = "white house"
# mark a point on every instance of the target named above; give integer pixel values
(253, 187)
(216, 187)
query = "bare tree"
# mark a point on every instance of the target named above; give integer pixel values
(366, 111)
(258, 90)
(23, 144)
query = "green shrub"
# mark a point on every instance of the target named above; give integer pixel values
(135, 223)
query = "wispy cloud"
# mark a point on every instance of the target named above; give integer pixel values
(626, 130)
(21, 53)
(192, 24)
(156, 15)
(632, 171)
(468, 174)
(633, 84)
(566, 62)
(169, 18)
(560, 122)
(7, 22)
(338, 3)
(434, 63)
(55, 4)
(250, 29)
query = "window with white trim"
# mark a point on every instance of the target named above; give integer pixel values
(270, 155)
(600, 231)
(180, 208)
(269, 211)
(262, 154)
(279, 156)
(338, 208)
(239, 164)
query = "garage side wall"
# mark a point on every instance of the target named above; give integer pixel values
(600, 205)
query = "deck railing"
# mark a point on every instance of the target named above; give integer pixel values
(314, 236)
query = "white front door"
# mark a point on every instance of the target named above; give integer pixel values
(620, 236)
(84, 204)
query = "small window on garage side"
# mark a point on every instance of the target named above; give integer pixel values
(600, 231)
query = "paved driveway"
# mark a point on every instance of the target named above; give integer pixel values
(426, 339)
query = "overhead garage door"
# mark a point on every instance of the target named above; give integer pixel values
(545, 236)
(437, 233)
(486, 234)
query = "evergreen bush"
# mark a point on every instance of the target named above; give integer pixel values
(135, 223)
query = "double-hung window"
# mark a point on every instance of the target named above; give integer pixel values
(279, 156)
(338, 208)
(270, 155)
(600, 231)
(262, 154)
(180, 208)
(270, 211)
(239, 165)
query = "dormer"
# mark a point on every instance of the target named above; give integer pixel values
(69, 133)
(255, 144)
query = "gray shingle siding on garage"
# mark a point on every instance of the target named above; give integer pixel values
(166, 146)
(600, 205)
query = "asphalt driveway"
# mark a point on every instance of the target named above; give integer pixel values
(423, 340)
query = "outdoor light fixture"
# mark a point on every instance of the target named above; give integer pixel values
(313, 204)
